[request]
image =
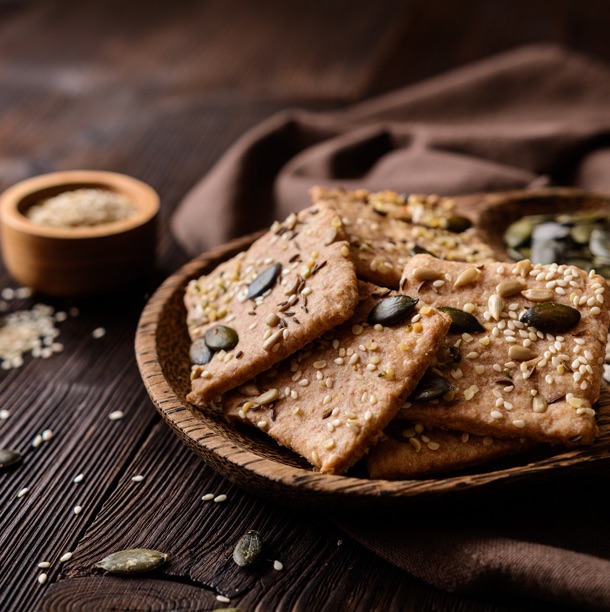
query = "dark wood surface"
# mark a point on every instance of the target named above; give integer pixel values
(159, 90)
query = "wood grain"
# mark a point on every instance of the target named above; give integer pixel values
(158, 91)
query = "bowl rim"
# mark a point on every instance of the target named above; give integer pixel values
(141, 195)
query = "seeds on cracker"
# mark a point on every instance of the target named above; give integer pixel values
(509, 288)
(538, 295)
(221, 337)
(427, 274)
(551, 318)
(462, 321)
(199, 352)
(457, 224)
(392, 310)
(264, 281)
(467, 277)
(432, 386)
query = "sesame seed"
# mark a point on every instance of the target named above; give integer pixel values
(44, 565)
(278, 566)
(488, 441)
(4, 415)
(98, 332)
(46, 435)
(116, 415)
(519, 423)
(220, 498)
(37, 441)
(77, 509)
(65, 557)
(222, 598)
(23, 492)
(137, 478)
(415, 443)
(208, 497)
(357, 330)
(42, 578)
(495, 414)
(78, 478)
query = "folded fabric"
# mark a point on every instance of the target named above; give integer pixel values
(530, 117)
(522, 119)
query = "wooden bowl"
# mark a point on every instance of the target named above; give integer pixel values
(255, 462)
(77, 261)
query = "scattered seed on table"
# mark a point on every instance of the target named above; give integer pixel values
(78, 478)
(44, 565)
(74, 311)
(137, 478)
(37, 441)
(65, 557)
(4, 415)
(46, 435)
(77, 509)
(8, 293)
(208, 497)
(116, 415)
(132, 561)
(220, 498)
(222, 599)
(98, 332)
(23, 492)
(23, 293)
(42, 578)
(278, 565)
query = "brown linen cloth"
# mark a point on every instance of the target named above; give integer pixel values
(534, 115)
(538, 114)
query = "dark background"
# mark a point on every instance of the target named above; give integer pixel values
(159, 90)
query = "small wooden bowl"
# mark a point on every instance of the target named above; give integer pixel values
(79, 261)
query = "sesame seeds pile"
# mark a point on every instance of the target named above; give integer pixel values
(81, 208)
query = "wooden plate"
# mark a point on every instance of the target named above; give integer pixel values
(258, 464)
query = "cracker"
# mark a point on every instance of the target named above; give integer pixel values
(384, 230)
(410, 450)
(331, 401)
(316, 290)
(549, 395)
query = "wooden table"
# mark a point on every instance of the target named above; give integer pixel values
(159, 91)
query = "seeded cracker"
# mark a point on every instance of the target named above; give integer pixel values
(316, 289)
(331, 401)
(513, 379)
(384, 229)
(410, 450)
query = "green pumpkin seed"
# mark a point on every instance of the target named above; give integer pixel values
(132, 561)
(199, 352)
(582, 233)
(9, 457)
(461, 321)
(221, 337)
(249, 549)
(265, 280)
(392, 310)
(518, 233)
(432, 386)
(551, 318)
(457, 224)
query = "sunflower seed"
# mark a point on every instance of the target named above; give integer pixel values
(249, 549)
(538, 295)
(509, 288)
(539, 403)
(520, 353)
(265, 280)
(392, 310)
(427, 274)
(467, 277)
(221, 337)
(495, 305)
(132, 561)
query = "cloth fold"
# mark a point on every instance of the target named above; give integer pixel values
(526, 118)
(529, 117)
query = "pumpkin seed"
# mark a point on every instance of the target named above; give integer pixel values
(9, 457)
(265, 280)
(432, 386)
(249, 549)
(518, 233)
(461, 321)
(199, 352)
(221, 337)
(132, 561)
(600, 243)
(457, 224)
(392, 310)
(551, 318)
(582, 233)
(419, 250)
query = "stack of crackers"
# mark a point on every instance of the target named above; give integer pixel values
(376, 325)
